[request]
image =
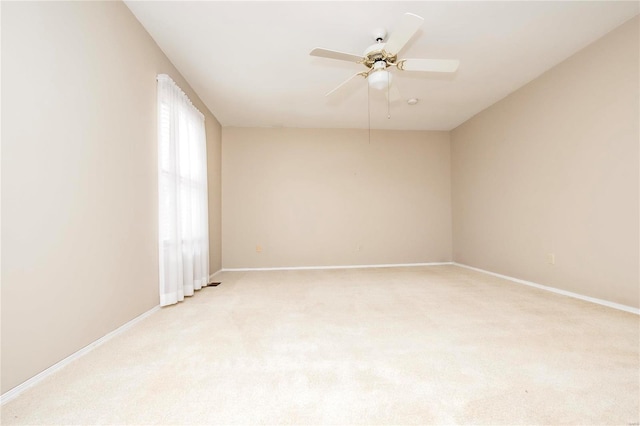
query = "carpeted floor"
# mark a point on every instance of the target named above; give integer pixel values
(418, 345)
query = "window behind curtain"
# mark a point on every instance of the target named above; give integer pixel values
(182, 190)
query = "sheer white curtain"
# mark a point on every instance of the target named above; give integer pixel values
(182, 174)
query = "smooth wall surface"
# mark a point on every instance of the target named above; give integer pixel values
(322, 197)
(79, 178)
(214, 187)
(553, 169)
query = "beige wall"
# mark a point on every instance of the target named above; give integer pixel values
(79, 178)
(214, 186)
(313, 197)
(553, 168)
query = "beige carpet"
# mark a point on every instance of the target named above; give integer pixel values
(419, 345)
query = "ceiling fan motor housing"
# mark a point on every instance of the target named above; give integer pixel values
(376, 53)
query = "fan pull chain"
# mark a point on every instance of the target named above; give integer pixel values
(369, 110)
(388, 95)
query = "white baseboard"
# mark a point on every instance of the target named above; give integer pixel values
(13, 393)
(557, 290)
(214, 274)
(295, 268)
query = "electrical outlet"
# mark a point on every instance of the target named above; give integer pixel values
(258, 248)
(551, 258)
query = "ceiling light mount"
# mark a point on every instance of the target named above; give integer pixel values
(379, 35)
(412, 101)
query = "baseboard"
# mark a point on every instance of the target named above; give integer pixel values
(557, 290)
(214, 274)
(13, 393)
(296, 268)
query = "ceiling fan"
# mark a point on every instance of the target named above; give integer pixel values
(382, 55)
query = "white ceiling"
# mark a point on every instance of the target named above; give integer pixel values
(249, 61)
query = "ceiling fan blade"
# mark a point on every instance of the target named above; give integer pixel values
(428, 65)
(407, 27)
(334, 54)
(363, 74)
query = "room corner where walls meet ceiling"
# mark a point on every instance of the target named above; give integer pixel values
(250, 63)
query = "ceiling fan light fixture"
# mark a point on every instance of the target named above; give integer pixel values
(380, 80)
